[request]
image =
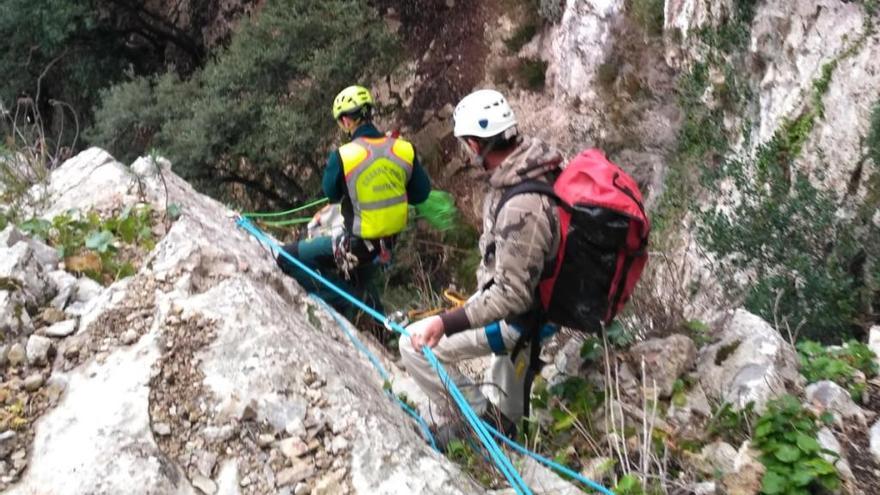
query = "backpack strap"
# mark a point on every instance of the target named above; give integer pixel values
(524, 187)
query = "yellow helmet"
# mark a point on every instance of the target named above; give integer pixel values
(351, 99)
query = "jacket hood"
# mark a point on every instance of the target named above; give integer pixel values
(531, 159)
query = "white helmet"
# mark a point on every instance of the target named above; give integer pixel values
(483, 114)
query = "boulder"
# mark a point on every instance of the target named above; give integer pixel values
(44, 254)
(20, 271)
(829, 396)
(751, 362)
(39, 350)
(65, 288)
(61, 329)
(14, 318)
(665, 360)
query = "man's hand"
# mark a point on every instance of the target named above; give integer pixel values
(427, 332)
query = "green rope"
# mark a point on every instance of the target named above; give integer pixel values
(282, 213)
(439, 210)
(282, 223)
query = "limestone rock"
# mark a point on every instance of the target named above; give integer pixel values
(874, 342)
(750, 363)
(20, 271)
(828, 441)
(665, 360)
(45, 255)
(7, 443)
(688, 16)
(61, 329)
(65, 287)
(874, 440)
(14, 318)
(33, 382)
(829, 396)
(16, 354)
(747, 474)
(581, 43)
(204, 485)
(39, 350)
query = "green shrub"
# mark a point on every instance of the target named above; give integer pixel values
(786, 436)
(839, 365)
(258, 114)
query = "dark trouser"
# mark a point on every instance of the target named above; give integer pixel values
(317, 254)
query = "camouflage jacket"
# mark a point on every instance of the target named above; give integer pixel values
(518, 245)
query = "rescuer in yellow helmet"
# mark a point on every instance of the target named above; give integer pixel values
(374, 177)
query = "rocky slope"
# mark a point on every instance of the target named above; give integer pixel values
(206, 370)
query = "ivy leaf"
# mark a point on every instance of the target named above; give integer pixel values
(801, 477)
(99, 241)
(807, 444)
(788, 453)
(773, 483)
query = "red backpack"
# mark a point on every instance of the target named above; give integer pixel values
(602, 250)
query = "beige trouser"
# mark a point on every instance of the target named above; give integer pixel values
(503, 381)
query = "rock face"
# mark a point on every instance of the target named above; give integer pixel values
(223, 353)
(580, 45)
(689, 15)
(665, 360)
(750, 363)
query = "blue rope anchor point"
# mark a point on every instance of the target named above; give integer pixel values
(484, 431)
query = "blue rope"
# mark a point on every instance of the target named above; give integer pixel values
(479, 426)
(547, 462)
(426, 431)
(501, 461)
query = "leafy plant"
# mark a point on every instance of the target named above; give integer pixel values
(629, 485)
(786, 436)
(839, 365)
(731, 425)
(91, 245)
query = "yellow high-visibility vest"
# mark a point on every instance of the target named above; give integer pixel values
(377, 171)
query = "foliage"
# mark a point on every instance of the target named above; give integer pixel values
(786, 231)
(92, 245)
(468, 457)
(786, 436)
(257, 114)
(531, 73)
(732, 425)
(629, 485)
(58, 54)
(838, 364)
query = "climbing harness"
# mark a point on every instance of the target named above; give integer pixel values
(483, 430)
